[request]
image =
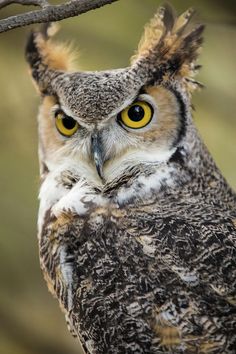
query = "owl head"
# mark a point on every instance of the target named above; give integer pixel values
(112, 122)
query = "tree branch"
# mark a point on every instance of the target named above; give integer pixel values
(41, 3)
(49, 13)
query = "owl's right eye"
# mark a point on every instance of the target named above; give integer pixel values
(66, 125)
(137, 115)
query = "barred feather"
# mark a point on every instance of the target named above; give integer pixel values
(168, 47)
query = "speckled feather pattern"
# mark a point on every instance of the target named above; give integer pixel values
(143, 260)
(152, 276)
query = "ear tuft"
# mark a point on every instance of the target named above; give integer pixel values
(45, 56)
(169, 48)
(49, 29)
(153, 32)
(183, 20)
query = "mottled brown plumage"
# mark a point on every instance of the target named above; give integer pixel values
(137, 226)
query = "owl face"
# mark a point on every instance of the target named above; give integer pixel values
(144, 129)
(107, 123)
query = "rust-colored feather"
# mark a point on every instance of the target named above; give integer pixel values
(170, 46)
(43, 56)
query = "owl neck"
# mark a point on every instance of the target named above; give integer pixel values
(66, 189)
(188, 161)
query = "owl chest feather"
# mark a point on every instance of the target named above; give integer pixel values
(141, 276)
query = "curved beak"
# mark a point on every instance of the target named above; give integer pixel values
(97, 153)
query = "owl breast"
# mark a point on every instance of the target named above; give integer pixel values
(143, 276)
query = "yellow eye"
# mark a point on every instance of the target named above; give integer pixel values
(66, 125)
(137, 115)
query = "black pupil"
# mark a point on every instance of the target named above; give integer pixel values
(136, 113)
(69, 123)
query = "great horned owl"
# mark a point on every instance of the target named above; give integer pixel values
(137, 226)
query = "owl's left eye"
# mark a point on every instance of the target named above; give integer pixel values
(66, 125)
(137, 115)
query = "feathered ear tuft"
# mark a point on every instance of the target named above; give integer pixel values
(169, 48)
(46, 57)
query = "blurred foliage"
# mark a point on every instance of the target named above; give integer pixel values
(30, 320)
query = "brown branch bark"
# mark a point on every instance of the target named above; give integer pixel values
(51, 13)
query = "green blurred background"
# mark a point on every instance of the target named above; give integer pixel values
(30, 320)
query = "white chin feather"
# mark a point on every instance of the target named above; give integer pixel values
(84, 193)
(119, 165)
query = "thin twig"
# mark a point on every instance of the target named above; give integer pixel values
(41, 3)
(52, 13)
